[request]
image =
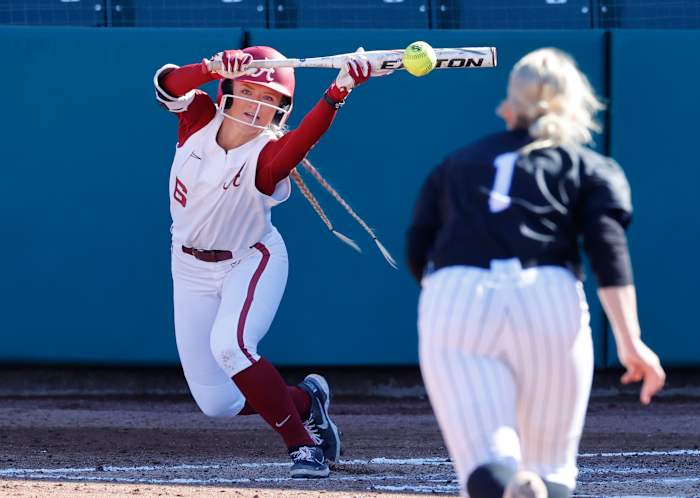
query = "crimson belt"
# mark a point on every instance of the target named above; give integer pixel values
(212, 256)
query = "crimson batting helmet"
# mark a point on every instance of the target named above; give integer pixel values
(279, 79)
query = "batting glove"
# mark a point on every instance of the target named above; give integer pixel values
(229, 64)
(355, 71)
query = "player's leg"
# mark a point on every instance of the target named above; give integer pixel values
(196, 303)
(301, 399)
(250, 296)
(472, 392)
(555, 368)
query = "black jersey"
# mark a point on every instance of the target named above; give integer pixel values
(489, 201)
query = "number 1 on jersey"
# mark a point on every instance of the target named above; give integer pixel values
(505, 166)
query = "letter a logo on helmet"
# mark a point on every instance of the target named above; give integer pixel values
(268, 71)
(280, 79)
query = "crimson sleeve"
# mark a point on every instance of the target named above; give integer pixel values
(278, 158)
(201, 110)
(181, 80)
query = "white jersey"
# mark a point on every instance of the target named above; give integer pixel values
(214, 202)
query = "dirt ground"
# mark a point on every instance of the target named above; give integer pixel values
(60, 443)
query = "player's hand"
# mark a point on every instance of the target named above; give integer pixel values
(355, 71)
(229, 64)
(643, 365)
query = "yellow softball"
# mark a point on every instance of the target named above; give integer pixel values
(419, 58)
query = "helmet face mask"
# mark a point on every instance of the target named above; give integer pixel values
(279, 79)
(281, 112)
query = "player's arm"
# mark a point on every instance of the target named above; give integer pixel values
(177, 90)
(426, 222)
(278, 158)
(641, 363)
(606, 213)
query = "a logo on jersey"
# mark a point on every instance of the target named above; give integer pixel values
(195, 156)
(269, 73)
(236, 179)
(180, 192)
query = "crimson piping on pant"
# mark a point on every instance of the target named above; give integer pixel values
(249, 298)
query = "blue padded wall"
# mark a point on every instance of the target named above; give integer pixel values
(190, 14)
(509, 14)
(637, 14)
(53, 13)
(654, 107)
(352, 308)
(85, 203)
(84, 200)
(403, 14)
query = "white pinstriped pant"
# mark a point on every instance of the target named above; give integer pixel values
(507, 359)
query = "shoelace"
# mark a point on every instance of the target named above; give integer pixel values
(312, 430)
(303, 453)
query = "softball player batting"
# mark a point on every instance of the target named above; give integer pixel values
(229, 263)
(505, 342)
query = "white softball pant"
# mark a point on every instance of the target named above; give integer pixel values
(222, 311)
(507, 359)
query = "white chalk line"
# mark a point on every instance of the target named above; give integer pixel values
(453, 489)
(78, 474)
(576, 495)
(399, 461)
(372, 461)
(420, 489)
(642, 453)
(354, 478)
(111, 469)
(625, 470)
(145, 468)
(152, 468)
(656, 480)
(223, 480)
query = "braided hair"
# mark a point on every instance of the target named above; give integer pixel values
(306, 192)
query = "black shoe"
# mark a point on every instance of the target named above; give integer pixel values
(308, 462)
(319, 425)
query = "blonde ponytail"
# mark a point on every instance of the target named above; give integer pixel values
(553, 99)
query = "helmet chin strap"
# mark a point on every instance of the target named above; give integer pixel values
(251, 123)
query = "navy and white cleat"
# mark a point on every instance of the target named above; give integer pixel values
(309, 462)
(319, 425)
